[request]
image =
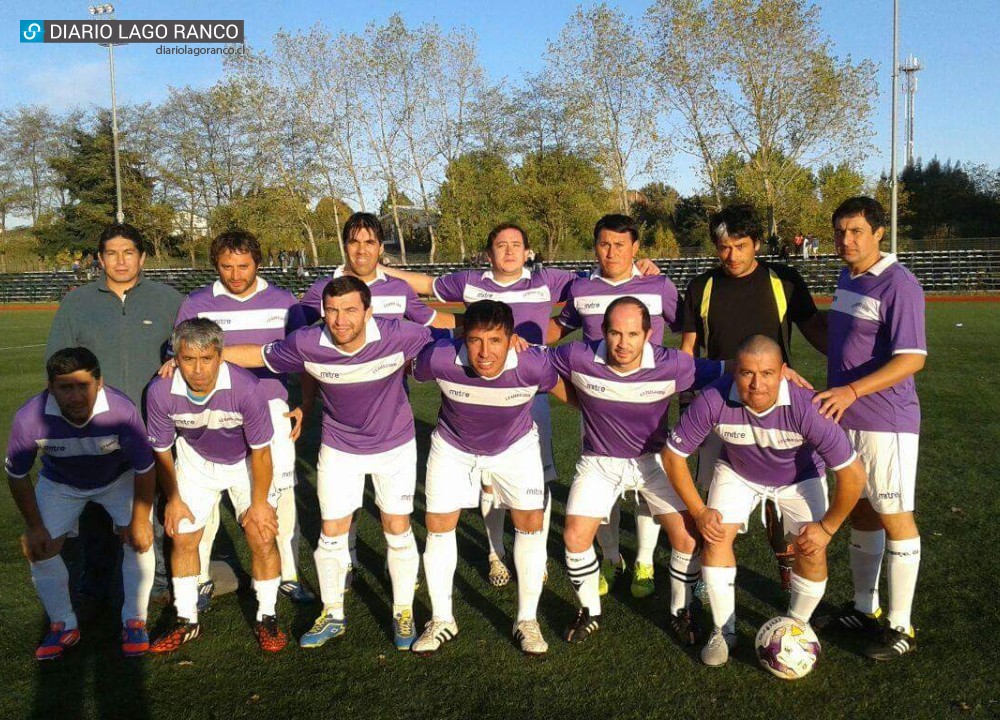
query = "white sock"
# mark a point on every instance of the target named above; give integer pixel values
(607, 536)
(52, 585)
(138, 571)
(647, 532)
(493, 520)
(685, 571)
(267, 596)
(805, 598)
(332, 561)
(288, 535)
(206, 543)
(721, 585)
(352, 542)
(186, 597)
(902, 562)
(529, 561)
(440, 561)
(866, 563)
(404, 561)
(584, 571)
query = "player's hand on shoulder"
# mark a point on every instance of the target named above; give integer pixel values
(647, 267)
(175, 511)
(834, 401)
(710, 525)
(793, 377)
(167, 369)
(519, 343)
(37, 543)
(297, 416)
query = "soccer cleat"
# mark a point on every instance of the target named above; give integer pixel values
(891, 643)
(684, 626)
(436, 633)
(269, 635)
(56, 641)
(642, 581)
(182, 632)
(403, 630)
(529, 634)
(205, 592)
(583, 626)
(717, 649)
(325, 628)
(609, 573)
(296, 592)
(499, 574)
(135, 638)
(849, 619)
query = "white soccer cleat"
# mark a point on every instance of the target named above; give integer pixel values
(717, 649)
(529, 634)
(436, 633)
(499, 574)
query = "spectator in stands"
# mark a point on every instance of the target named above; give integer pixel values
(126, 321)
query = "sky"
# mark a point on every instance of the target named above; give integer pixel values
(957, 100)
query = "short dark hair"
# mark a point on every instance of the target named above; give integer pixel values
(237, 241)
(617, 223)
(347, 284)
(757, 344)
(871, 208)
(488, 314)
(735, 221)
(363, 221)
(122, 230)
(506, 226)
(647, 322)
(70, 360)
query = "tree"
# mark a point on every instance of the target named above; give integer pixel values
(778, 88)
(599, 66)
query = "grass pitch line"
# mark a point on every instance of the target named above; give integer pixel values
(22, 347)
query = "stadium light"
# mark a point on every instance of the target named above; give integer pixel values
(109, 11)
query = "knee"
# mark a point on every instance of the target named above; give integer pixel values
(260, 548)
(184, 543)
(529, 522)
(395, 524)
(576, 538)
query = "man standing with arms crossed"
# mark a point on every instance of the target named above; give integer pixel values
(877, 344)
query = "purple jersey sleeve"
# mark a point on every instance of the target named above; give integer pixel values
(547, 375)
(450, 288)
(160, 428)
(309, 309)
(686, 373)
(21, 450)
(257, 428)
(560, 359)
(558, 281)
(422, 371)
(695, 424)
(417, 310)
(826, 436)
(906, 320)
(135, 444)
(670, 301)
(413, 338)
(569, 317)
(283, 356)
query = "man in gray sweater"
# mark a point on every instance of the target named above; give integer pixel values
(126, 321)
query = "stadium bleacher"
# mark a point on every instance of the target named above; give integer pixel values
(939, 271)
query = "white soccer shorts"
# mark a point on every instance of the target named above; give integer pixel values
(541, 413)
(455, 477)
(890, 462)
(708, 455)
(340, 480)
(282, 446)
(735, 498)
(600, 481)
(60, 505)
(201, 482)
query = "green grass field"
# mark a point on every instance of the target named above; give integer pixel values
(632, 669)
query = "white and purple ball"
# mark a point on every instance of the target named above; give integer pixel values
(787, 648)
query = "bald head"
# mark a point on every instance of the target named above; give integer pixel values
(759, 345)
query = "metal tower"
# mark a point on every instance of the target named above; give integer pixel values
(910, 68)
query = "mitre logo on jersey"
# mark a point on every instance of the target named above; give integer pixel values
(51, 448)
(734, 435)
(590, 304)
(329, 374)
(455, 392)
(595, 387)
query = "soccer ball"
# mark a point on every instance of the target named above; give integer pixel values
(787, 648)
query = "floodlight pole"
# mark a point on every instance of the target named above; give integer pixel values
(120, 215)
(893, 180)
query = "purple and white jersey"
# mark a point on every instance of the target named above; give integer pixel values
(484, 416)
(625, 415)
(365, 409)
(257, 319)
(391, 298)
(873, 317)
(530, 297)
(222, 427)
(589, 297)
(781, 446)
(87, 456)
